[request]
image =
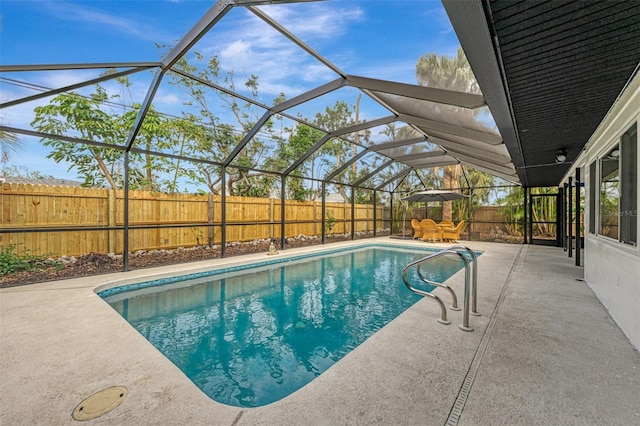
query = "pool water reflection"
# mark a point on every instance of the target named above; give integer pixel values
(253, 337)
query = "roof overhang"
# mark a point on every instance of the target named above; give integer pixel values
(549, 72)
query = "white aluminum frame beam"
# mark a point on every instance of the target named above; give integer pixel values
(395, 144)
(510, 177)
(426, 163)
(425, 125)
(479, 154)
(364, 125)
(504, 169)
(444, 139)
(429, 154)
(441, 96)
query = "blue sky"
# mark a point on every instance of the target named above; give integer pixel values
(373, 38)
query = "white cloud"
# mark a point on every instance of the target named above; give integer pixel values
(319, 21)
(83, 14)
(318, 72)
(10, 93)
(166, 98)
(58, 79)
(20, 85)
(281, 65)
(21, 115)
(401, 71)
(237, 54)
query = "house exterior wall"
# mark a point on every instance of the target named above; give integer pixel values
(612, 268)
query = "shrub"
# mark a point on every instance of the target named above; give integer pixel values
(11, 262)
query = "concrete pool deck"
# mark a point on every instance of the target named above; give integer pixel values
(544, 351)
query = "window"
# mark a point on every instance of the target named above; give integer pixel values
(628, 187)
(592, 197)
(610, 192)
(618, 190)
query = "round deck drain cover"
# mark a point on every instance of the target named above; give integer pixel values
(100, 403)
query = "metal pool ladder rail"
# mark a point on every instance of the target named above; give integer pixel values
(470, 284)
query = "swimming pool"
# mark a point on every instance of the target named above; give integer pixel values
(250, 337)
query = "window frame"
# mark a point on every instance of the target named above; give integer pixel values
(628, 208)
(608, 155)
(625, 178)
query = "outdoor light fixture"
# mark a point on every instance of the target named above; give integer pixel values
(561, 156)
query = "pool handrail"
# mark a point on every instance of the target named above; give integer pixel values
(467, 277)
(454, 298)
(474, 279)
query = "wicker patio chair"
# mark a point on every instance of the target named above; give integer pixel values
(430, 230)
(453, 234)
(417, 230)
(446, 224)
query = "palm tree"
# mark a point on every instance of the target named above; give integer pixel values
(451, 73)
(9, 144)
(446, 72)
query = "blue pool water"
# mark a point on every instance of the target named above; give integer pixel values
(248, 338)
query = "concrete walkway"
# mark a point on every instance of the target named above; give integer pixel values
(544, 351)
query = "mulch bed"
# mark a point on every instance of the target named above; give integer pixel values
(97, 263)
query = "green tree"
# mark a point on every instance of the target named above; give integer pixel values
(512, 210)
(301, 139)
(93, 118)
(71, 114)
(154, 134)
(23, 172)
(543, 209)
(336, 151)
(217, 139)
(477, 186)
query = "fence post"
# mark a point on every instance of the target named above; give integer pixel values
(283, 211)
(210, 212)
(353, 212)
(323, 211)
(223, 211)
(470, 214)
(271, 217)
(315, 217)
(375, 211)
(112, 220)
(125, 239)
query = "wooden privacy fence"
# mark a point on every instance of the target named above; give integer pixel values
(167, 220)
(488, 218)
